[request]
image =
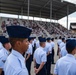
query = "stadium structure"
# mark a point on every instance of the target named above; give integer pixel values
(73, 27)
(49, 9)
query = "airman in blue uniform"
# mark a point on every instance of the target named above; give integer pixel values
(15, 63)
(4, 52)
(40, 58)
(63, 51)
(67, 64)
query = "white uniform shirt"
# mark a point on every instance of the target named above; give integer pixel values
(34, 40)
(3, 56)
(63, 64)
(59, 41)
(40, 55)
(52, 44)
(72, 69)
(15, 64)
(33, 43)
(61, 45)
(63, 51)
(48, 48)
(37, 44)
(29, 51)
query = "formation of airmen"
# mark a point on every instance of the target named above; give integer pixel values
(19, 50)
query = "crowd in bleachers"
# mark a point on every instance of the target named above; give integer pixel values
(50, 28)
(63, 29)
(53, 28)
(30, 24)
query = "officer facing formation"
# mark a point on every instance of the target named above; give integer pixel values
(40, 58)
(15, 63)
(4, 52)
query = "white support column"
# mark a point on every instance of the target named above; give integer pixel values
(50, 10)
(28, 10)
(21, 12)
(67, 15)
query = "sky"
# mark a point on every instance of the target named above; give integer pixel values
(71, 1)
(72, 17)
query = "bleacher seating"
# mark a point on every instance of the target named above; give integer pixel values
(52, 28)
(30, 24)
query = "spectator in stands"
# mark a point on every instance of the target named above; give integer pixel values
(3, 26)
(8, 22)
(14, 21)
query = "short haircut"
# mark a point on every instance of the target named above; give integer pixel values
(14, 40)
(41, 43)
(52, 39)
(63, 39)
(60, 37)
(70, 45)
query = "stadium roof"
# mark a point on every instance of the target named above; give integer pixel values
(59, 9)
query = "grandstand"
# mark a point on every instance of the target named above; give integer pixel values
(50, 9)
(73, 28)
(38, 27)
